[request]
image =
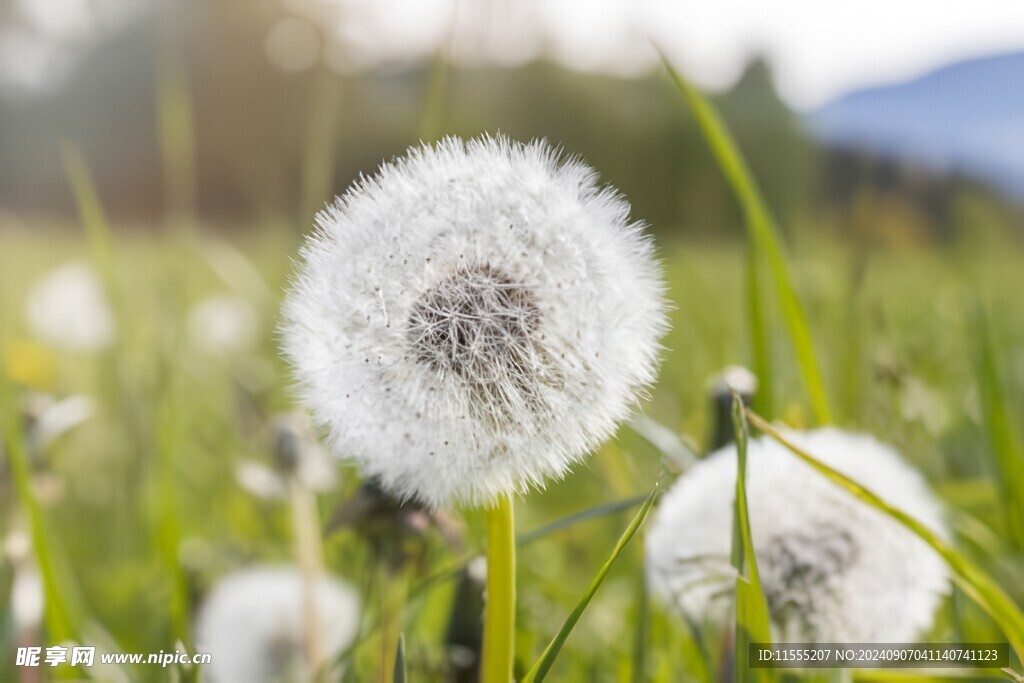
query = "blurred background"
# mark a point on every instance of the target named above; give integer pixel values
(897, 128)
(161, 161)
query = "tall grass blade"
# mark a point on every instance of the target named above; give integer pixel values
(90, 212)
(321, 143)
(177, 138)
(752, 622)
(764, 235)
(973, 580)
(168, 524)
(543, 665)
(760, 349)
(1006, 448)
(400, 673)
(641, 631)
(60, 614)
(433, 116)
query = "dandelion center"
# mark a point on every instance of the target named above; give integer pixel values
(800, 567)
(478, 325)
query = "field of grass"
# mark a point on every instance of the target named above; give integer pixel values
(139, 510)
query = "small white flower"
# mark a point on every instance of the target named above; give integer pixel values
(833, 569)
(68, 310)
(28, 599)
(297, 453)
(298, 450)
(49, 418)
(474, 319)
(223, 324)
(253, 625)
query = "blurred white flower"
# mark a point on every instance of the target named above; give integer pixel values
(253, 626)
(297, 453)
(49, 418)
(833, 569)
(223, 324)
(67, 309)
(27, 598)
(474, 319)
(260, 480)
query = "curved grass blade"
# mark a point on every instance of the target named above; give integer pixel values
(752, 622)
(764, 236)
(978, 585)
(543, 665)
(1006, 448)
(61, 613)
(576, 518)
(92, 215)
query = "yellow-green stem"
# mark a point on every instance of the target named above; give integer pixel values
(393, 595)
(309, 553)
(500, 611)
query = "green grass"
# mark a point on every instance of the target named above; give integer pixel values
(174, 421)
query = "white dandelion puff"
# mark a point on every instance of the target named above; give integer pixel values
(833, 569)
(223, 324)
(68, 310)
(253, 625)
(474, 319)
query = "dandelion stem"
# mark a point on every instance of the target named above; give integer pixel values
(394, 591)
(309, 554)
(500, 611)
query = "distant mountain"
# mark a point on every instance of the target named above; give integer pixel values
(967, 117)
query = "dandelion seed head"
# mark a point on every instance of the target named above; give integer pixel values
(68, 310)
(474, 319)
(252, 624)
(833, 569)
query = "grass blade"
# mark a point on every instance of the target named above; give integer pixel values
(752, 622)
(90, 212)
(577, 517)
(764, 235)
(400, 676)
(177, 139)
(543, 665)
(760, 352)
(432, 118)
(973, 580)
(60, 623)
(1006, 448)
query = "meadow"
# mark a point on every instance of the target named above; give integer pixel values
(129, 513)
(141, 508)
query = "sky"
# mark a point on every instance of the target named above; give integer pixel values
(818, 49)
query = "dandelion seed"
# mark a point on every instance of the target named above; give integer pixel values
(67, 310)
(253, 626)
(832, 568)
(474, 319)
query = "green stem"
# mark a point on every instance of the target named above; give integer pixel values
(500, 612)
(394, 591)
